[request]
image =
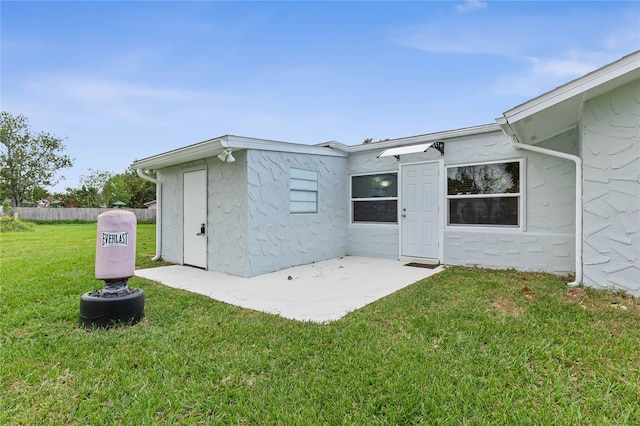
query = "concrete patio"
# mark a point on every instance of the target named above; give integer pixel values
(319, 292)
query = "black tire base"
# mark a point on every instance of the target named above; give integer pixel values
(106, 310)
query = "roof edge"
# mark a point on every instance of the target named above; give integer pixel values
(606, 73)
(428, 137)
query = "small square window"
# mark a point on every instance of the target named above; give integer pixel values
(303, 191)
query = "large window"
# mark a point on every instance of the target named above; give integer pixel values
(303, 191)
(487, 194)
(374, 198)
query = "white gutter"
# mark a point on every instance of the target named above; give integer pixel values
(513, 138)
(158, 213)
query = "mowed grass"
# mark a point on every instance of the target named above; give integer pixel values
(467, 346)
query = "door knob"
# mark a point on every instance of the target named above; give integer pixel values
(201, 230)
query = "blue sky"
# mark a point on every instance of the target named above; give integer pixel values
(127, 80)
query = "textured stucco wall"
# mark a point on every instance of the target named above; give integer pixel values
(611, 192)
(226, 213)
(172, 208)
(547, 242)
(278, 239)
(366, 239)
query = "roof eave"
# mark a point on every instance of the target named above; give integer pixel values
(429, 137)
(213, 147)
(575, 87)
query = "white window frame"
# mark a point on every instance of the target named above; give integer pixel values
(303, 191)
(352, 200)
(520, 195)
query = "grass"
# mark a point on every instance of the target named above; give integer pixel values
(12, 224)
(467, 346)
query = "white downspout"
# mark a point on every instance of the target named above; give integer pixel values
(514, 141)
(158, 213)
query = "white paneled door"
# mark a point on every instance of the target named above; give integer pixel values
(419, 214)
(195, 218)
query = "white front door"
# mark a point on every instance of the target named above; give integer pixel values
(419, 212)
(195, 218)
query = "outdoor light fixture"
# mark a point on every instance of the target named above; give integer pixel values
(226, 156)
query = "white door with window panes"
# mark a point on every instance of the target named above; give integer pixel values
(419, 214)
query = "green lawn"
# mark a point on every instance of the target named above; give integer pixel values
(467, 346)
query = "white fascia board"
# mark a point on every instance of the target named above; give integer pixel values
(576, 87)
(240, 142)
(335, 145)
(430, 137)
(181, 155)
(213, 147)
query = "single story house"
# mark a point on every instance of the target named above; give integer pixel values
(553, 186)
(153, 204)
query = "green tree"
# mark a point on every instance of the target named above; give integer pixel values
(141, 190)
(27, 159)
(91, 192)
(85, 196)
(115, 189)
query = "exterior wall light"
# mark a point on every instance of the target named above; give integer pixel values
(226, 156)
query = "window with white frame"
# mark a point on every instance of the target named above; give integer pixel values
(374, 198)
(485, 194)
(303, 191)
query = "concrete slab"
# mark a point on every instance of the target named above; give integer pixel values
(319, 292)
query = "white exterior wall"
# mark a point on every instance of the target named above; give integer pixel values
(278, 239)
(611, 153)
(226, 213)
(368, 239)
(172, 207)
(544, 244)
(227, 202)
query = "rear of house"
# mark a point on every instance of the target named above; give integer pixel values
(554, 187)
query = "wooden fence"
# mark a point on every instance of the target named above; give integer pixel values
(52, 214)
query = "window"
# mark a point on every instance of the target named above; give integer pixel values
(487, 194)
(374, 198)
(303, 191)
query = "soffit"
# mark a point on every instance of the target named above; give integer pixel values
(560, 110)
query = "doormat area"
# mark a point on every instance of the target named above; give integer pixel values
(422, 265)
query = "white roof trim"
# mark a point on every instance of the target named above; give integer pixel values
(411, 149)
(429, 137)
(213, 147)
(578, 86)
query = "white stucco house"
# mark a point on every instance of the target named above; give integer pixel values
(553, 185)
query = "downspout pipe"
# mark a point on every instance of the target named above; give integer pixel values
(158, 212)
(513, 138)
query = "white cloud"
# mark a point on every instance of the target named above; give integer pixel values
(462, 42)
(528, 61)
(98, 89)
(471, 6)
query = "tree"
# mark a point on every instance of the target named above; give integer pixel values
(141, 190)
(91, 192)
(116, 190)
(37, 194)
(27, 160)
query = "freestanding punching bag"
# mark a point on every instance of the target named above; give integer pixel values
(115, 303)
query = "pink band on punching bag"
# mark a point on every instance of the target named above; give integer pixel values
(116, 245)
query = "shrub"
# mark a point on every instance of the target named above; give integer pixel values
(6, 208)
(12, 224)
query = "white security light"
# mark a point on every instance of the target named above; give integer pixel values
(226, 156)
